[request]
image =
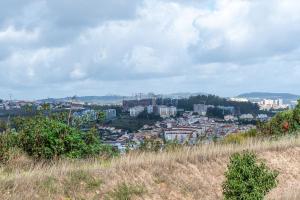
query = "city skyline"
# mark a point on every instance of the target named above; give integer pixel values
(93, 48)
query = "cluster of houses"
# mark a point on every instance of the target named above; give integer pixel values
(246, 117)
(188, 129)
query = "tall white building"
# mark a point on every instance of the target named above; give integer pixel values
(110, 114)
(135, 111)
(172, 111)
(150, 109)
(166, 112)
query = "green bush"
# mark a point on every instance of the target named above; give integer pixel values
(8, 141)
(44, 138)
(246, 179)
(151, 145)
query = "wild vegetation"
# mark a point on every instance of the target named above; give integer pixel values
(283, 123)
(184, 173)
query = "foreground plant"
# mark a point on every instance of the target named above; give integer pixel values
(246, 179)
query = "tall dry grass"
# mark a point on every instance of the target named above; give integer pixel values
(185, 173)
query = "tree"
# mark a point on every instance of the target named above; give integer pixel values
(246, 179)
(45, 138)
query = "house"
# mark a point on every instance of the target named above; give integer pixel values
(181, 135)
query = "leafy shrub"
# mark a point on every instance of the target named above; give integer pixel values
(44, 138)
(150, 144)
(247, 180)
(7, 142)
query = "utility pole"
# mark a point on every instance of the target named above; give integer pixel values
(8, 118)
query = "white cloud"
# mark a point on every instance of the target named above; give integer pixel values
(230, 45)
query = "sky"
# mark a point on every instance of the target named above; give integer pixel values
(57, 48)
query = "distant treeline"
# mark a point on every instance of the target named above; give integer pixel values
(239, 107)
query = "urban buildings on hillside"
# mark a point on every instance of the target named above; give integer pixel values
(268, 104)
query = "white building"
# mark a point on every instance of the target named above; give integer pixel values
(166, 112)
(150, 109)
(236, 99)
(135, 111)
(247, 117)
(262, 117)
(181, 135)
(172, 111)
(229, 118)
(110, 114)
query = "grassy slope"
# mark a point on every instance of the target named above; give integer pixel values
(195, 173)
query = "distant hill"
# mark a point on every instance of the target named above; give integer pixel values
(89, 99)
(267, 95)
(181, 95)
(108, 99)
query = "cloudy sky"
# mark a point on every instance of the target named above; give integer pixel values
(55, 48)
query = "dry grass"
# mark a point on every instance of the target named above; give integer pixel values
(188, 173)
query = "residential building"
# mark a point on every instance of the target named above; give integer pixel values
(262, 117)
(110, 114)
(165, 111)
(135, 111)
(150, 109)
(229, 118)
(247, 117)
(237, 99)
(181, 135)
